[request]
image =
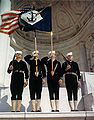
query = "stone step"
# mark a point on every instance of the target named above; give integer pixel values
(47, 116)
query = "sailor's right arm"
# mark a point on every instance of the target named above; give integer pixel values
(27, 58)
(44, 60)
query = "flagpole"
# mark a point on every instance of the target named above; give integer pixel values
(52, 50)
(36, 53)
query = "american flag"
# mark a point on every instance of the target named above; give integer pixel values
(13, 20)
(9, 21)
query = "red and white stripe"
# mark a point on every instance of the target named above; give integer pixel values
(9, 21)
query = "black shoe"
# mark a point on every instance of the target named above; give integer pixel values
(72, 110)
(12, 111)
(75, 110)
(17, 111)
(38, 111)
(52, 111)
(32, 111)
(57, 111)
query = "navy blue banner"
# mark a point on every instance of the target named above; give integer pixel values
(40, 19)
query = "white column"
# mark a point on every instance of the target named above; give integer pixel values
(4, 44)
(83, 57)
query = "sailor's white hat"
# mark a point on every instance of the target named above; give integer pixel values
(50, 52)
(35, 52)
(70, 53)
(18, 52)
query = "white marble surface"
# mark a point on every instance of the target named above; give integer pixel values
(89, 78)
(4, 44)
(40, 116)
(5, 100)
(87, 90)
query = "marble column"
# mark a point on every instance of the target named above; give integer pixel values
(4, 44)
(83, 57)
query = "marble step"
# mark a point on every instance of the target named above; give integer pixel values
(82, 115)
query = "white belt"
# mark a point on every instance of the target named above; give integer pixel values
(19, 71)
(71, 73)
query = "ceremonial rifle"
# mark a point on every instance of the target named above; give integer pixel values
(63, 57)
(13, 60)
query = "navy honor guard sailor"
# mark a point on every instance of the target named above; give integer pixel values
(53, 80)
(72, 79)
(37, 78)
(18, 68)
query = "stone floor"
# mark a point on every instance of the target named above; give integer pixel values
(83, 115)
